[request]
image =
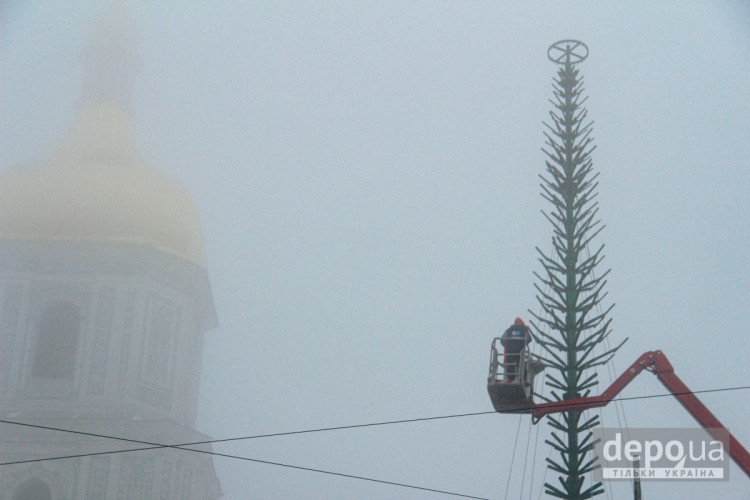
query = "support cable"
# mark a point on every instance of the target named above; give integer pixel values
(536, 351)
(309, 469)
(612, 375)
(247, 459)
(533, 462)
(525, 458)
(544, 477)
(611, 366)
(512, 458)
(182, 446)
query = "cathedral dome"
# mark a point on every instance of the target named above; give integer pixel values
(96, 186)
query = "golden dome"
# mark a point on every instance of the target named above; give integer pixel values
(96, 187)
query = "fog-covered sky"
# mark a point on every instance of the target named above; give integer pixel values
(366, 174)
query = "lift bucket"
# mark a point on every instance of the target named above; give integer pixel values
(510, 383)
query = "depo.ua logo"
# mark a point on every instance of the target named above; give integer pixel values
(662, 454)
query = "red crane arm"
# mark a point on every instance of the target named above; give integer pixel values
(657, 362)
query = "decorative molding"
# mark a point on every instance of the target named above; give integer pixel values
(158, 353)
(143, 313)
(127, 334)
(167, 468)
(186, 488)
(97, 378)
(98, 476)
(86, 259)
(136, 478)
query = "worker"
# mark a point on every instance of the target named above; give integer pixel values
(514, 340)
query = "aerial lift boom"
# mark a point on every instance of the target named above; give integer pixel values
(653, 361)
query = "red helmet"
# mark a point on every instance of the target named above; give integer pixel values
(519, 320)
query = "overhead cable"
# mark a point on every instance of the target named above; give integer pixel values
(182, 446)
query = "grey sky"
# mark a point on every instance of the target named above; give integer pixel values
(367, 178)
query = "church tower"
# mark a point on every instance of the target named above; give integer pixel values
(104, 305)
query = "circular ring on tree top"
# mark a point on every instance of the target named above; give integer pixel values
(559, 52)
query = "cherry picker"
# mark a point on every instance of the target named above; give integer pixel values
(516, 395)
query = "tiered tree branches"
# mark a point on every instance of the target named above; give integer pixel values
(569, 290)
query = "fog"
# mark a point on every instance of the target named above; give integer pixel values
(366, 180)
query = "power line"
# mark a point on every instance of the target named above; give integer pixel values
(154, 446)
(182, 446)
(248, 459)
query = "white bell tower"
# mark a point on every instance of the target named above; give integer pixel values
(104, 305)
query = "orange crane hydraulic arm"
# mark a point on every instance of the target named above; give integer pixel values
(657, 362)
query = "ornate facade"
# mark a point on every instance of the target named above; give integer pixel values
(104, 304)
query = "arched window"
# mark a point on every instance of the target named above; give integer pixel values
(33, 489)
(57, 341)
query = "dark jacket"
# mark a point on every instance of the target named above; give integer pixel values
(516, 337)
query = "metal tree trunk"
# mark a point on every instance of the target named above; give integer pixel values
(568, 289)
